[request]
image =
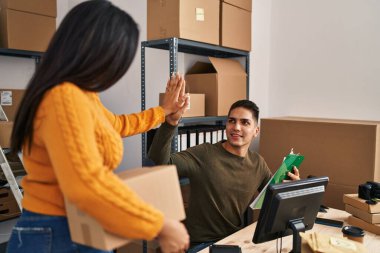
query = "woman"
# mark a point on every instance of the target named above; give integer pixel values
(71, 143)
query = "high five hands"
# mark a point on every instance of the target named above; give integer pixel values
(175, 101)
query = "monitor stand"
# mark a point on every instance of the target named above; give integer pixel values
(296, 226)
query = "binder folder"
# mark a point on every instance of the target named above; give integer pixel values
(281, 174)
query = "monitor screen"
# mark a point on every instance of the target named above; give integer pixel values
(289, 208)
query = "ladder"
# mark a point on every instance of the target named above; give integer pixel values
(10, 178)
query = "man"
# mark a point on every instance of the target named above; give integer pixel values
(224, 176)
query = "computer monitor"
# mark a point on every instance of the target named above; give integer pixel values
(290, 208)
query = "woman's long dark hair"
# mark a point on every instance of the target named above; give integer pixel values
(92, 48)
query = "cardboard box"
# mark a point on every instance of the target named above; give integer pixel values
(158, 186)
(334, 194)
(5, 133)
(196, 20)
(243, 4)
(235, 27)
(223, 81)
(361, 214)
(196, 107)
(355, 201)
(8, 205)
(6, 194)
(347, 151)
(10, 100)
(25, 31)
(41, 7)
(373, 228)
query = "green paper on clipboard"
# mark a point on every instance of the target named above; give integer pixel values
(281, 174)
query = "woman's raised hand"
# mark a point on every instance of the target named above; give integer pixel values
(175, 97)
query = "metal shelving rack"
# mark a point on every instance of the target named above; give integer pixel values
(21, 53)
(175, 46)
(3, 161)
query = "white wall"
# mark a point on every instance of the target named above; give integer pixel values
(324, 58)
(317, 58)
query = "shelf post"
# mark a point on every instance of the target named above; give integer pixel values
(173, 61)
(247, 71)
(143, 135)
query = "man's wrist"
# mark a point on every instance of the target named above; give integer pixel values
(172, 122)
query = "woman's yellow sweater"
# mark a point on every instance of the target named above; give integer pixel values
(76, 145)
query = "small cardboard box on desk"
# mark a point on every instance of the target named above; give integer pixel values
(363, 215)
(158, 186)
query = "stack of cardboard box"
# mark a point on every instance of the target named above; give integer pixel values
(8, 205)
(364, 215)
(27, 25)
(347, 151)
(220, 22)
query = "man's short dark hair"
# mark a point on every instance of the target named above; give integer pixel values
(247, 104)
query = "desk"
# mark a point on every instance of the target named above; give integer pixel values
(243, 237)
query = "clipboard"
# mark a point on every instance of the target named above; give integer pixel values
(281, 174)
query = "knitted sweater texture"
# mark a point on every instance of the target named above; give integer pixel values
(76, 146)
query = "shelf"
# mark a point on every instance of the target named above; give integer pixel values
(20, 53)
(203, 119)
(175, 46)
(197, 48)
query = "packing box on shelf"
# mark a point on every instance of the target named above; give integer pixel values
(41, 7)
(235, 27)
(361, 214)
(373, 228)
(6, 194)
(8, 205)
(355, 201)
(196, 20)
(223, 81)
(10, 100)
(27, 25)
(5, 133)
(158, 186)
(347, 151)
(196, 107)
